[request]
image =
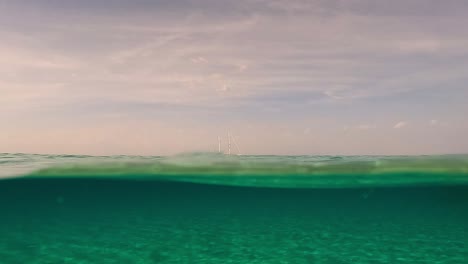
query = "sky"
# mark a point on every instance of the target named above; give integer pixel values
(291, 77)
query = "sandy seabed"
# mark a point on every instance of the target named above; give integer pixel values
(118, 221)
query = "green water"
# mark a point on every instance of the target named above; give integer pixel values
(216, 209)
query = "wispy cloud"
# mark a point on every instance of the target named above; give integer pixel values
(400, 125)
(312, 50)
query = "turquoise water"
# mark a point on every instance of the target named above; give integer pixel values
(207, 208)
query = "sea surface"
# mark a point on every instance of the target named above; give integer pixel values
(214, 208)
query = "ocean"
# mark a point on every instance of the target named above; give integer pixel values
(213, 208)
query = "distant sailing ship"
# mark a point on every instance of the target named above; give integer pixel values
(230, 140)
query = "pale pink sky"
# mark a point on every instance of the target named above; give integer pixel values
(284, 77)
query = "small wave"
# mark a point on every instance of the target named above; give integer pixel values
(254, 171)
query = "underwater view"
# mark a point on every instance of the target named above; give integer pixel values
(215, 208)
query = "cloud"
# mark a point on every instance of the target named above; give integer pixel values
(257, 47)
(400, 125)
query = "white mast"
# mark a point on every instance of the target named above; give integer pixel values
(237, 147)
(219, 144)
(229, 144)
